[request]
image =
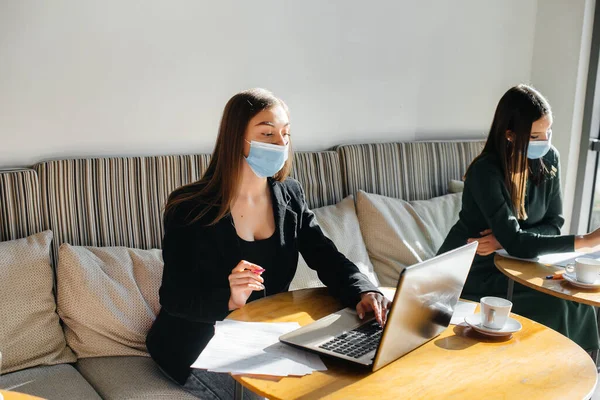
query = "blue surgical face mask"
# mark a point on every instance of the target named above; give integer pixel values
(539, 148)
(266, 159)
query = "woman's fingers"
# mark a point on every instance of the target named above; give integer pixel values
(486, 239)
(245, 286)
(376, 303)
(242, 280)
(481, 240)
(376, 306)
(386, 305)
(245, 265)
(486, 236)
(245, 274)
(485, 250)
(487, 245)
(360, 310)
(482, 249)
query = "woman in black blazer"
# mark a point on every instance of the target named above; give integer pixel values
(234, 237)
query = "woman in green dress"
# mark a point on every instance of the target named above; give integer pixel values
(512, 200)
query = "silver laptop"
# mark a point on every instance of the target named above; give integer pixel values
(425, 298)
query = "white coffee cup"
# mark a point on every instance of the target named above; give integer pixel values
(587, 270)
(494, 312)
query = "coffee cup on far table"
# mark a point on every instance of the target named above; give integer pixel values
(494, 312)
(587, 270)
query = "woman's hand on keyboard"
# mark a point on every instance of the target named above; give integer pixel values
(376, 302)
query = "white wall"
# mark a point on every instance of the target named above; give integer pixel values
(560, 66)
(114, 77)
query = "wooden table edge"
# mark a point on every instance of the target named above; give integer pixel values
(538, 288)
(591, 394)
(10, 395)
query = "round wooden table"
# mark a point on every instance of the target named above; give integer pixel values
(8, 395)
(535, 363)
(533, 275)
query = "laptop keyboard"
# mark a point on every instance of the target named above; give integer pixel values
(357, 342)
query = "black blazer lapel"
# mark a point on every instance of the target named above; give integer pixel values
(286, 219)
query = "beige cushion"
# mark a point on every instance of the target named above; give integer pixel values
(340, 224)
(455, 186)
(30, 332)
(108, 298)
(398, 233)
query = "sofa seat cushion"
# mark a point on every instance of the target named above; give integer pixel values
(55, 382)
(340, 224)
(399, 233)
(129, 378)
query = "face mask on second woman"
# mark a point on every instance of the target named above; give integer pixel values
(266, 159)
(539, 148)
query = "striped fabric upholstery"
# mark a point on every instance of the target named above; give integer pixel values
(20, 212)
(320, 176)
(119, 201)
(409, 171)
(112, 201)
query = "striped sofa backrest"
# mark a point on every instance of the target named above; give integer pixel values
(120, 201)
(20, 211)
(409, 171)
(320, 174)
(112, 201)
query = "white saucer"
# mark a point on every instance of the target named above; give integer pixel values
(511, 326)
(571, 278)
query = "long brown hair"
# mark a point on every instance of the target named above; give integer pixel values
(517, 110)
(218, 186)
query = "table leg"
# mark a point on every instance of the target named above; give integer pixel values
(239, 391)
(509, 292)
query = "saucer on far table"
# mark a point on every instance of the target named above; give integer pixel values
(570, 277)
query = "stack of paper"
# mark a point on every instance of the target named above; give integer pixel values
(557, 259)
(254, 348)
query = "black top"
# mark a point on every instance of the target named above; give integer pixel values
(486, 204)
(198, 259)
(261, 252)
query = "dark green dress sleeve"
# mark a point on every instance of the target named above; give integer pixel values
(485, 183)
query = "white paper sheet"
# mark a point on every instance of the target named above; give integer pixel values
(254, 348)
(504, 253)
(562, 259)
(462, 310)
(556, 259)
